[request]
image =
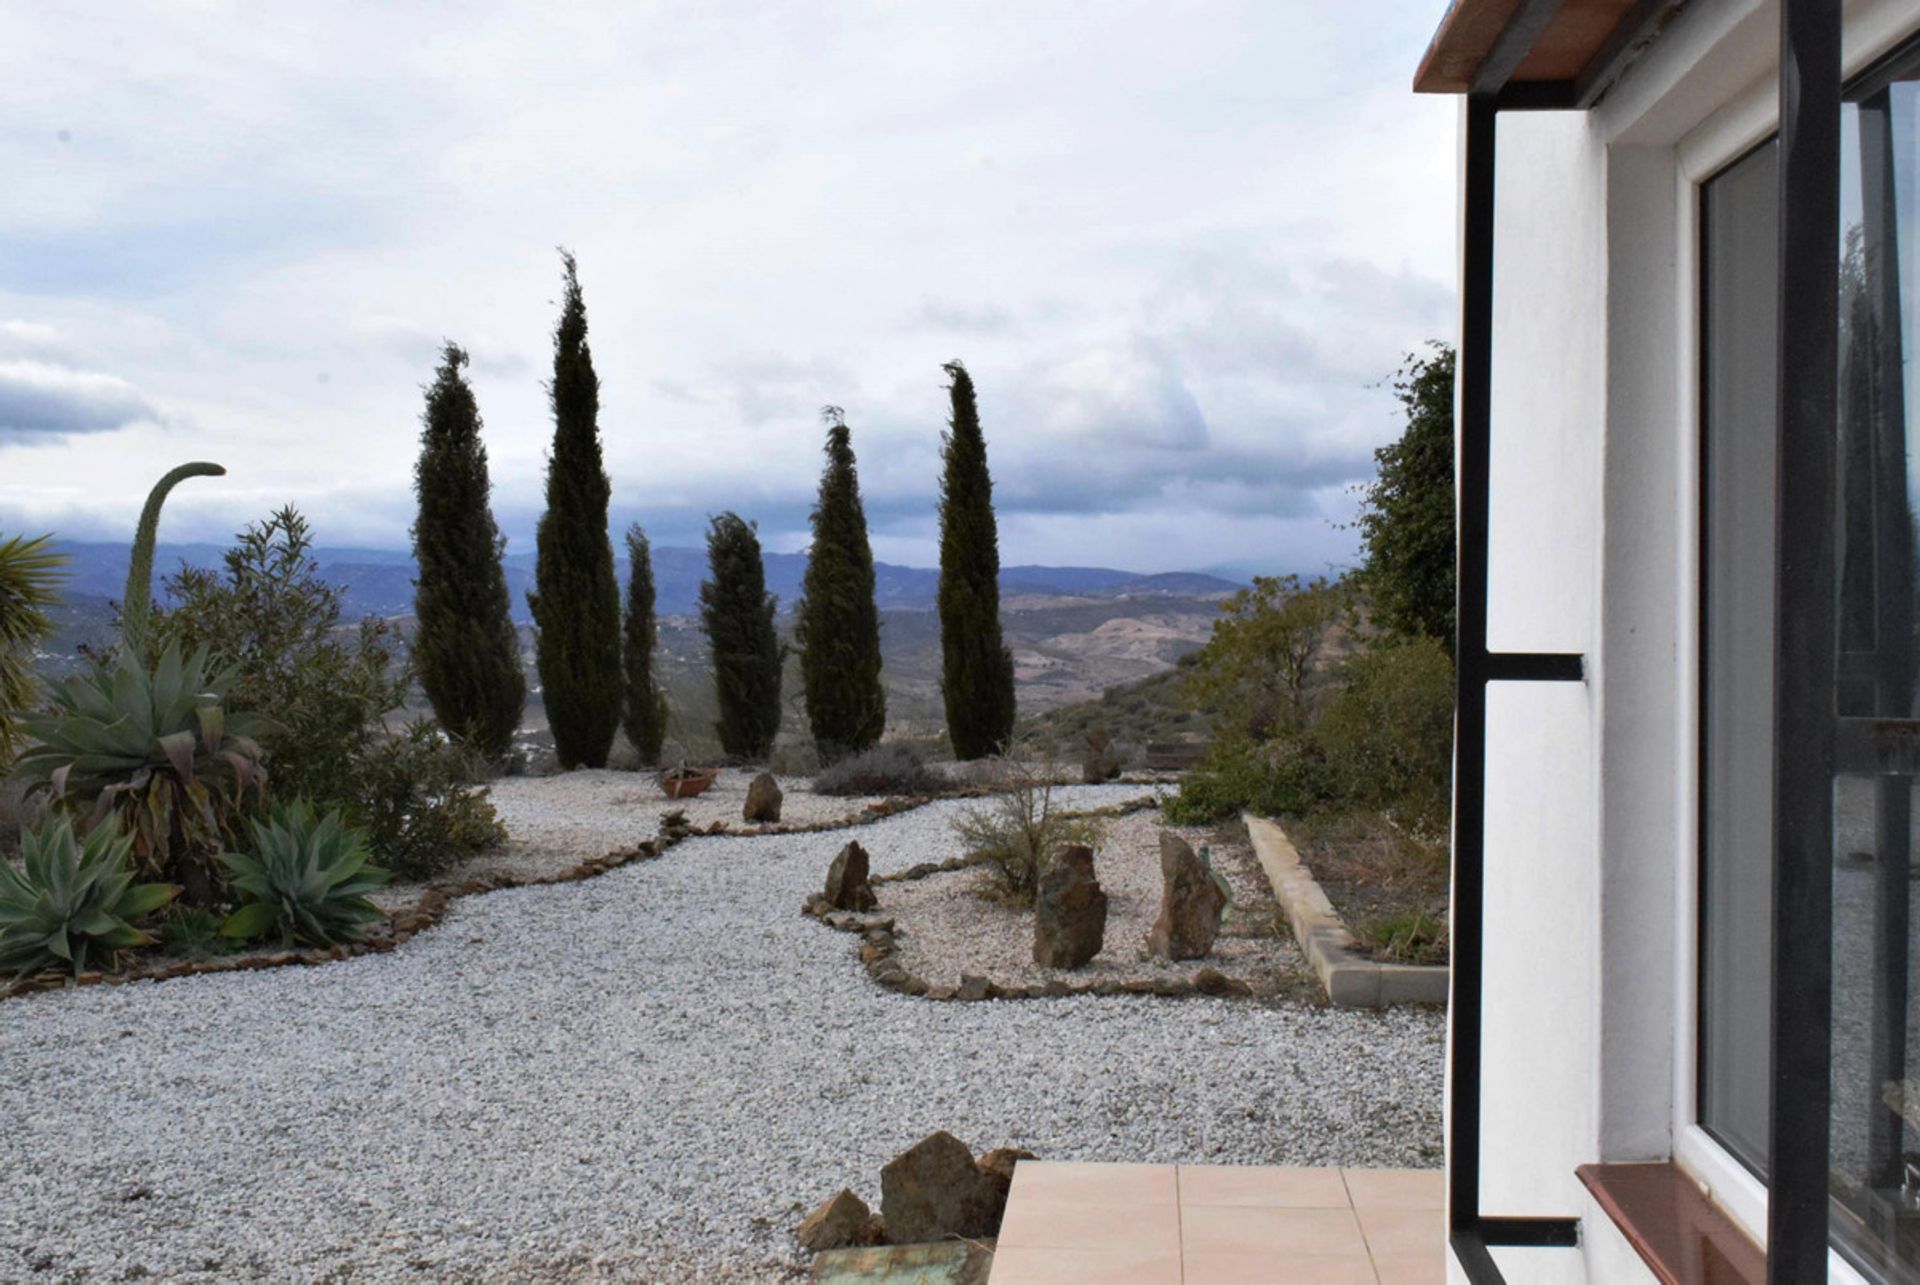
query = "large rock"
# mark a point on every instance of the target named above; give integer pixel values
(934, 1190)
(998, 1165)
(1190, 903)
(1069, 911)
(843, 1220)
(847, 881)
(763, 800)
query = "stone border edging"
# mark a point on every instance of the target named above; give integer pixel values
(432, 906)
(1351, 980)
(878, 947)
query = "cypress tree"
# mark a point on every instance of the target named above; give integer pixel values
(465, 648)
(575, 601)
(644, 715)
(737, 612)
(837, 624)
(976, 677)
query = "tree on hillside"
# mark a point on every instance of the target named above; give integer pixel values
(644, 716)
(1406, 514)
(976, 677)
(465, 648)
(1255, 672)
(837, 624)
(575, 600)
(737, 613)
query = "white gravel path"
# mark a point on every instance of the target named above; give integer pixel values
(648, 1075)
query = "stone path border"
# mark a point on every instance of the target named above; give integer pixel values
(1350, 978)
(878, 947)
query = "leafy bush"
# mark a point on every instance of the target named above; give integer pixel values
(1020, 830)
(155, 748)
(71, 904)
(1256, 672)
(884, 769)
(418, 805)
(309, 880)
(1410, 937)
(1273, 779)
(1388, 733)
(29, 574)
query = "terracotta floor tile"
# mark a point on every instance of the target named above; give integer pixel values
(1413, 1269)
(1262, 1229)
(1095, 1184)
(1399, 1233)
(1262, 1185)
(1015, 1265)
(1406, 1188)
(1246, 1268)
(1138, 1229)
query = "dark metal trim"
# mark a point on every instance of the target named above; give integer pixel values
(1516, 41)
(1531, 1233)
(1805, 668)
(1538, 96)
(1536, 667)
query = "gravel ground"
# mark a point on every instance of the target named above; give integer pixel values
(946, 927)
(648, 1075)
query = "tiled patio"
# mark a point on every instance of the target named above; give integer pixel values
(1220, 1225)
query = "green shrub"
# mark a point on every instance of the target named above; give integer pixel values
(71, 904)
(1410, 937)
(308, 879)
(1273, 779)
(1020, 830)
(29, 577)
(154, 748)
(885, 769)
(417, 803)
(1388, 733)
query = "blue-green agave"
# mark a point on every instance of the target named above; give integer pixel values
(151, 746)
(70, 904)
(309, 879)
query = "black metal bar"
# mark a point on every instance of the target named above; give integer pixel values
(1531, 1233)
(1536, 667)
(1473, 461)
(1515, 42)
(1804, 666)
(1537, 96)
(1635, 31)
(1470, 1251)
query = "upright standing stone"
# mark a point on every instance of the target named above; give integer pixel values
(847, 881)
(763, 800)
(1190, 903)
(1069, 911)
(934, 1190)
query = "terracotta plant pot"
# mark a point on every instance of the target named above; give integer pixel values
(685, 782)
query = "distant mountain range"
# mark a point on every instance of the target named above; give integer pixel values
(379, 582)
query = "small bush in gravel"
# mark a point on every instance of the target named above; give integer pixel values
(70, 903)
(1020, 830)
(1279, 778)
(884, 769)
(308, 879)
(418, 805)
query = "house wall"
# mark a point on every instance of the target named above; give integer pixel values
(1588, 1008)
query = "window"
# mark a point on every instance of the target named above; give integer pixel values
(1874, 1127)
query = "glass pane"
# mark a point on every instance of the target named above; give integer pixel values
(1739, 254)
(1875, 1133)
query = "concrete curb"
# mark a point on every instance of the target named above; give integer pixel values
(1351, 980)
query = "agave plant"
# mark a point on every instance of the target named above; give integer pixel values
(309, 879)
(29, 581)
(152, 747)
(71, 904)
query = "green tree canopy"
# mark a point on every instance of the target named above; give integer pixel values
(976, 668)
(838, 625)
(576, 601)
(644, 715)
(737, 613)
(465, 648)
(1406, 516)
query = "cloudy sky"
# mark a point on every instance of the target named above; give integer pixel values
(1179, 245)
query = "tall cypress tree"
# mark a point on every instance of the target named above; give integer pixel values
(976, 675)
(645, 713)
(575, 601)
(837, 624)
(737, 611)
(464, 644)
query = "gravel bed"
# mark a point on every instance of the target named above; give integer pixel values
(946, 926)
(648, 1075)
